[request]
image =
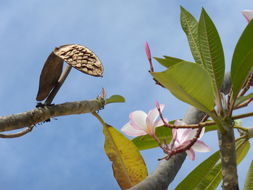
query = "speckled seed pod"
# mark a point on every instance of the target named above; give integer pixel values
(81, 58)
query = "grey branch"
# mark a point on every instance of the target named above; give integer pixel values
(30, 118)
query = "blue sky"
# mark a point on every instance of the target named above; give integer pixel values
(67, 153)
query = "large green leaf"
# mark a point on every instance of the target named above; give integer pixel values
(211, 50)
(242, 60)
(190, 26)
(209, 179)
(168, 61)
(190, 83)
(248, 185)
(196, 176)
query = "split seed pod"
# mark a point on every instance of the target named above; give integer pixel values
(77, 56)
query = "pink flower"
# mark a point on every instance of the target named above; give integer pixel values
(182, 137)
(141, 123)
(248, 14)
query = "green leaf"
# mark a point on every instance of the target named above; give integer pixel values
(242, 149)
(190, 26)
(248, 185)
(210, 178)
(115, 99)
(242, 99)
(211, 50)
(147, 142)
(168, 61)
(196, 176)
(190, 83)
(242, 60)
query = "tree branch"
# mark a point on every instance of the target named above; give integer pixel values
(31, 118)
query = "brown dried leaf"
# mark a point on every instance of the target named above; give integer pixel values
(81, 58)
(49, 76)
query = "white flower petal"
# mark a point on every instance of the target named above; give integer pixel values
(200, 146)
(179, 122)
(153, 115)
(202, 133)
(187, 134)
(180, 133)
(160, 122)
(131, 131)
(248, 14)
(192, 134)
(191, 154)
(138, 120)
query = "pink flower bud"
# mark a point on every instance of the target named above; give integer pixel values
(148, 52)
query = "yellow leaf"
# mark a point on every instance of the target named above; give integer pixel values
(128, 165)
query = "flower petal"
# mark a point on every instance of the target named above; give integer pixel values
(179, 122)
(191, 154)
(200, 146)
(153, 115)
(131, 131)
(248, 14)
(138, 120)
(191, 134)
(160, 122)
(186, 135)
(202, 133)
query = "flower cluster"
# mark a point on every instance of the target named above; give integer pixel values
(141, 123)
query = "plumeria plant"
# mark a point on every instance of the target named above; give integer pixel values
(215, 95)
(212, 94)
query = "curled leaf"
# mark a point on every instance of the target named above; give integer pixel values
(128, 165)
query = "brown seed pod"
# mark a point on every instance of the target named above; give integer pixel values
(49, 76)
(81, 58)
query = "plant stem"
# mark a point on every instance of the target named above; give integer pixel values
(228, 156)
(99, 118)
(243, 115)
(58, 85)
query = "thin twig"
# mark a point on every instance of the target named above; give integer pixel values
(247, 85)
(244, 104)
(18, 134)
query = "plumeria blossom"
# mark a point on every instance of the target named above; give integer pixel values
(182, 137)
(141, 123)
(248, 14)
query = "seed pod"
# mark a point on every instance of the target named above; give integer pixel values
(77, 56)
(81, 58)
(49, 76)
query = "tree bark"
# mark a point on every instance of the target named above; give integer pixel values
(30, 118)
(228, 155)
